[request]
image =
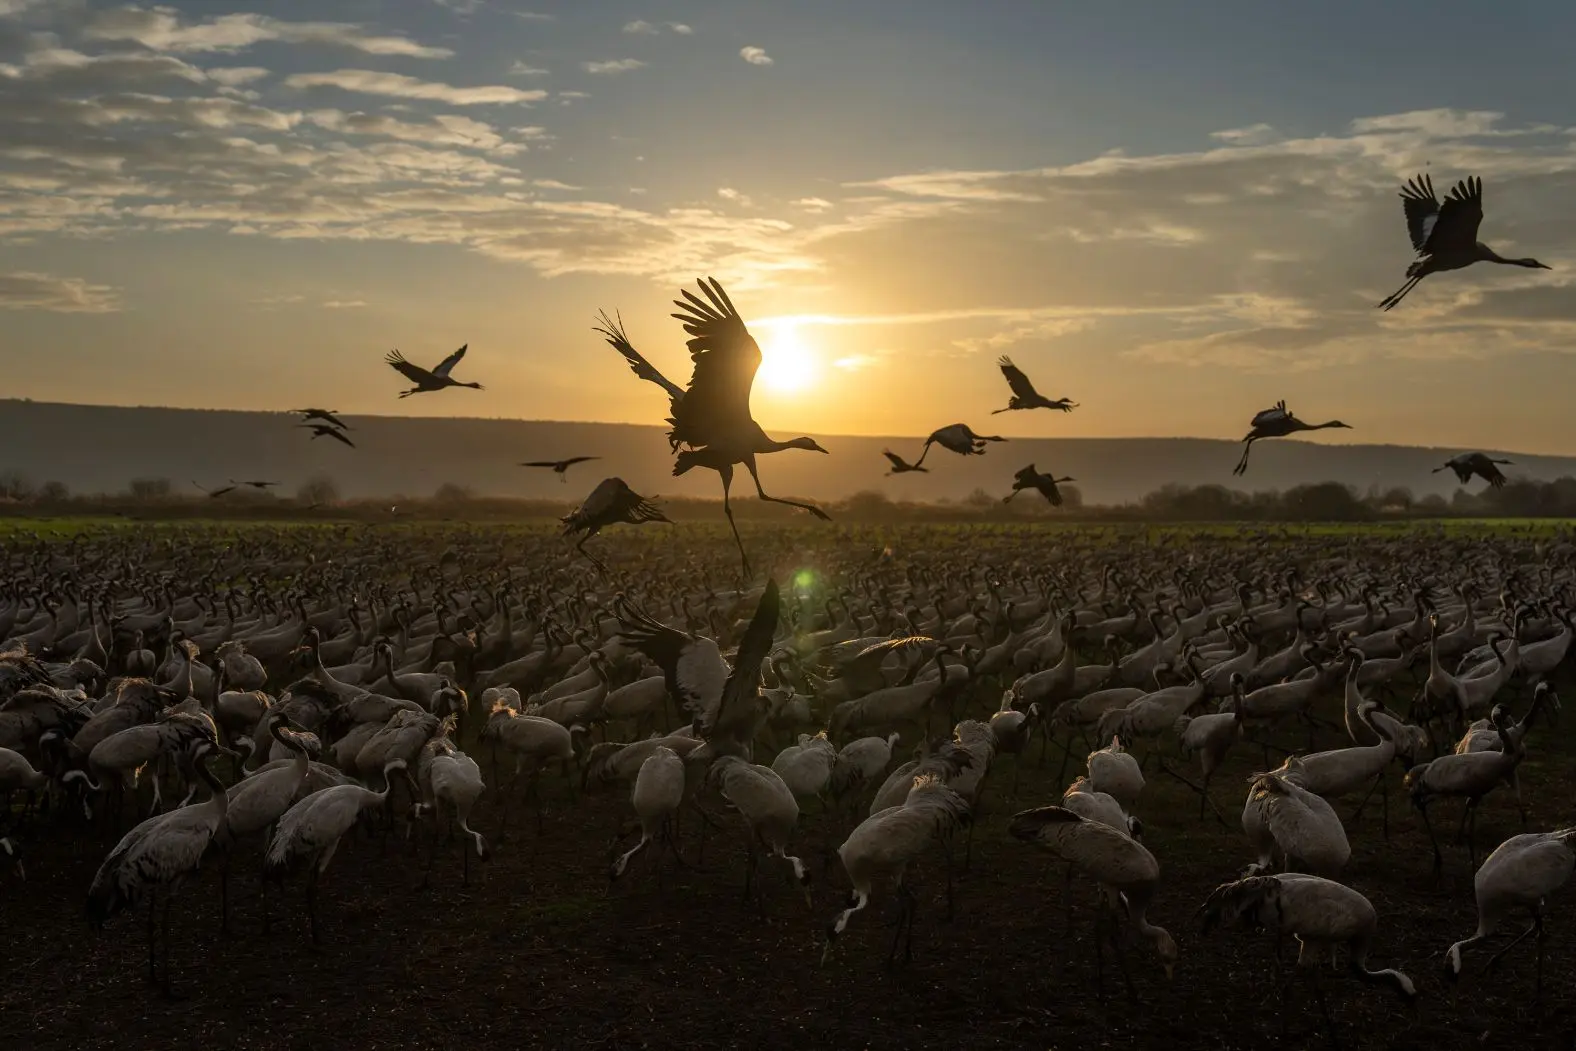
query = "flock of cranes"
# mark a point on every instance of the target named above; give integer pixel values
(711, 425)
(355, 682)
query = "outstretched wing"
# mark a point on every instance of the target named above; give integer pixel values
(1456, 229)
(893, 458)
(414, 373)
(1017, 380)
(540, 463)
(337, 436)
(726, 356)
(1422, 211)
(745, 679)
(449, 362)
(1274, 414)
(576, 459)
(613, 332)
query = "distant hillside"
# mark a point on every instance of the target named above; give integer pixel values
(98, 449)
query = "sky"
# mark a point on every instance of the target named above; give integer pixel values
(1173, 214)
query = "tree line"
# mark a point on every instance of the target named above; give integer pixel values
(1320, 502)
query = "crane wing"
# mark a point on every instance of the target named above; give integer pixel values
(613, 332)
(1274, 414)
(1017, 380)
(745, 680)
(337, 436)
(449, 362)
(1456, 229)
(577, 459)
(540, 463)
(1422, 211)
(893, 458)
(692, 666)
(414, 373)
(726, 356)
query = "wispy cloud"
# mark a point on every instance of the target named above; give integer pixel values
(728, 193)
(755, 56)
(525, 69)
(397, 85)
(612, 66)
(344, 304)
(25, 290)
(463, 7)
(681, 29)
(640, 27)
(534, 16)
(161, 29)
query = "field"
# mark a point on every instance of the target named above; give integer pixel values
(539, 950)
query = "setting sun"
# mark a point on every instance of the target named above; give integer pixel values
(787, 364)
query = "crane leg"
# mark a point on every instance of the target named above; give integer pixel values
(749, 464)
(1399, 294)
(727, 509)
(1242, 464)
(1439, 860)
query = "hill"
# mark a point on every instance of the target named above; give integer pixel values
(100, 449)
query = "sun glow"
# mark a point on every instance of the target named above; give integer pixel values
(788, 365)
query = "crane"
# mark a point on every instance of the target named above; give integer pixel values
(425, 381)
(1277, 422)
(611, 501)
(1465, 465)
(900, 465)
(559, 467)
(1445, 235)
(957, 438)
(712, 418)
(1044, 484)
(1024, 396)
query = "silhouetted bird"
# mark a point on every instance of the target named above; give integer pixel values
(1024, 396)
(900, 465)
(1277, 422)
(560, 466)
(321, 429)
(326, 415)
(1044, 484)
(610, 502)
(1468, 464)
(254, 485)
(215, 493)
(713, 416)
(425, 381)
(959, 439)
(1445, 235)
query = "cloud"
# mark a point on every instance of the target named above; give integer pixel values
(523, 69)
(1252, 135)
(25, 290)
(534, 16)
(161, 29)
(755, 56)
(235, 76)
(640, 27)
(813, 204)
(552, 184)
(728, 193)
(343, 304)
(67, 70)
(856, 362)
(463, 7)
(444, 129)
(613, 66)
(396, 85)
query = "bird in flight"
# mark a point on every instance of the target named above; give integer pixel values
(900, 465)
(1024, 396)
(560, 466)
(321, 429)
(255, 485)
(216, 493)
(425, 381)
(712, 418)
(958, 438)
(326, 415)
(1277, 422)
(1445, 235)
(611, 501)
(1467, 464)
(1044, 484)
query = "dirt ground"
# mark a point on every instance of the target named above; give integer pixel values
(538, 952)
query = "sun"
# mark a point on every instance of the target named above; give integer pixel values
(787, 363)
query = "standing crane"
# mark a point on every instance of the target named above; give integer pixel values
(152, 861)
(1445, 235)
(560, 467)
(611, 501)
(712, 418)
(1024, 396)
(1521, 873)
(424, 380)
(1044, 484)
(1466, 465)
(1277, 422)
